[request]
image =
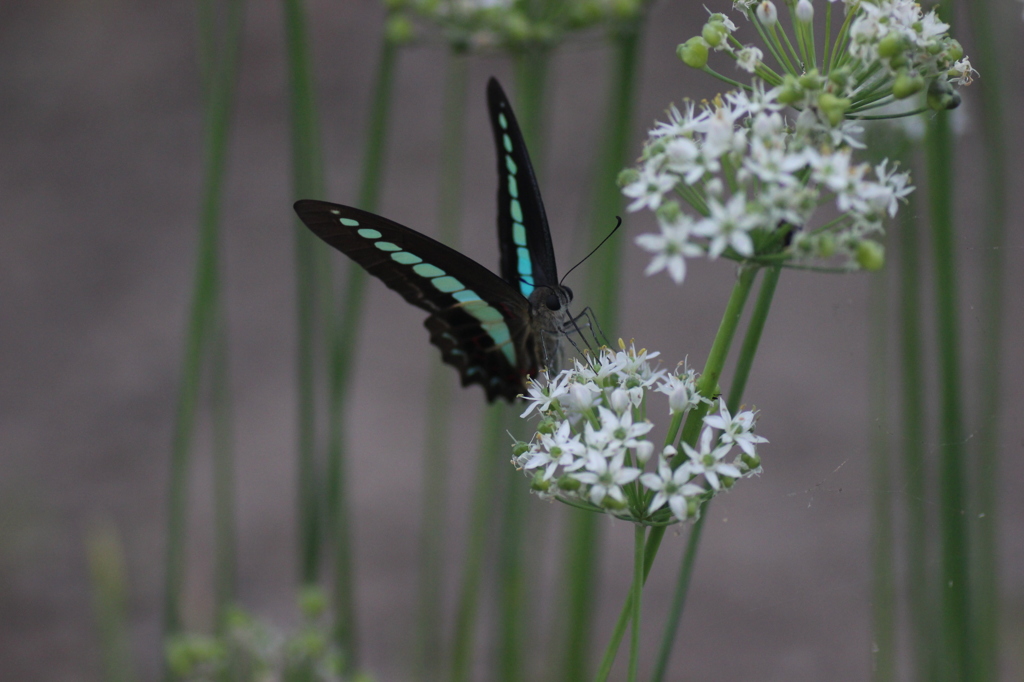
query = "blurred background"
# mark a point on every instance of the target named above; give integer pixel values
(101, 152)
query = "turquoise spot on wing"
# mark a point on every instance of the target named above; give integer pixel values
(368, 233)
(508, 142)
(511, 165)
(348, 222)
(519, 234)
(517, 211)
(406, 258)
(502, 121)
(485, 313)
(427, 270)
(525, 266)
(387, 246)
(447, 284)
(513, 188)
(467, 296)
(498, 331)
(335, 211)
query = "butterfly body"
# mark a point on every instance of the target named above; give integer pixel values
(497, 331)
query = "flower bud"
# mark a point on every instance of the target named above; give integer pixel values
(399, 30)
(539, 483)
(890, 46)
(833, 107)
(669, 211)
(767, 14)
(692, 507)
(727, 481)
(826, 246)
(840, 76)
(520, 448)
(547, 426)
(568, 483)
(791, 91)
(906, 85)
(955, 51)
(694, 52)
(870, 255)
(644, 450)
(610, 502)
(941, 95)
(714, 187)
(752, 461)
(805, 11)
(811, 80)
(627, 177)
(619, 400)
(714, 32)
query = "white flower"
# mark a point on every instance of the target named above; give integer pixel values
(670, 248)
(649, 188)
(708, 460)
(728, 225)
(681, 391)
(735, 429)
(747, 58)
(605, 476)
(557, 449)
(671, 487)
(804, 11)
(617, 432)
(540, 394)
(962, 73)
(766, 13)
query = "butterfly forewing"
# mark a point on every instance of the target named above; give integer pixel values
(527, 257)
(480, 322)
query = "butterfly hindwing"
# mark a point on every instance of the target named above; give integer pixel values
(527, 257)
(480, 322)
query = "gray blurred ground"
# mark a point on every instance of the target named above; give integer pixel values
(100, 153)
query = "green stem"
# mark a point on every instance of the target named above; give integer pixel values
(202, 317)
(744, 363)
(956, 611)
(481, 518)
(343, 338)
(883, 603)
(914, 466)
(109, 584)
(435, 461)
(307, 169)
(990, 59)
(583, 542)
(635, 598)
(225, 562)
(707, 386)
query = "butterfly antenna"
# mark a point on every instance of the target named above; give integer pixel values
(618, 224)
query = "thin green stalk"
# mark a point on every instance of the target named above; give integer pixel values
(707, 386)
(914, 466)
(435, 460)
(956, 588)
(675, 613)
(990, 60)
(744, 363)
(583, 543)
(883, 589)
(343, 353)
(109, 583)
(204, 307)
(825, 61)
(481, 519)
(635, 599)
(225, 562)
(513, 602)
(307, 181)
(774, 30)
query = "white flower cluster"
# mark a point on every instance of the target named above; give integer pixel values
(758, 181)
(591, 447)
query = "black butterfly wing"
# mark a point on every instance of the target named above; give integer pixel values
(527, 257)
(480, 322)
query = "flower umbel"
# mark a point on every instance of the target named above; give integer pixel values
(592, 446)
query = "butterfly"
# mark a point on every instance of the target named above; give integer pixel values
(496, 331)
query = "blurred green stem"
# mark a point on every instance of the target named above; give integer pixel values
(991, 62)
(481, 519)
(883, 603)
(954, 583)
(707, 386)
(204, 308)
(744, 363)
(312, 283)
(110, 601)
(439, 393)
(342, 340)
(223, 475)
(583, 541)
